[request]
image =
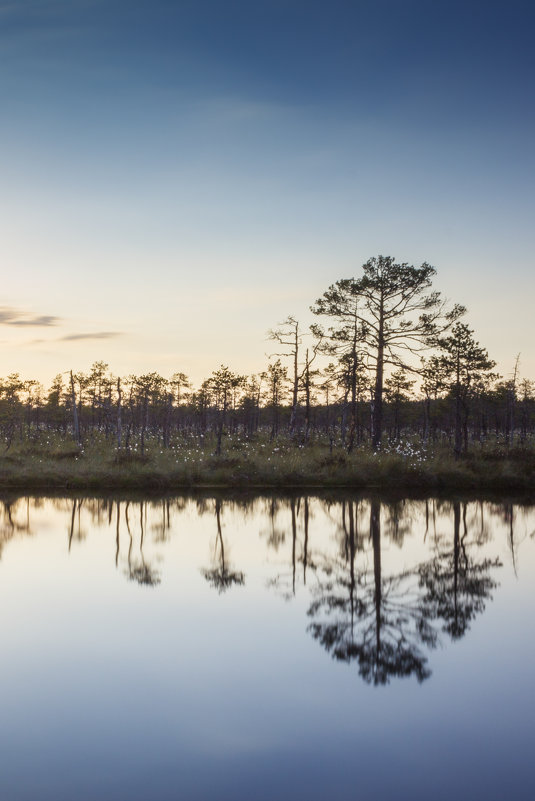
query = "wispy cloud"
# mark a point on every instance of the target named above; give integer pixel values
(91, 335)
(240, 108)
(11, 316)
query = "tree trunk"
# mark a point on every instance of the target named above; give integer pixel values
(119, 415)
(377, 420)
(76, 424)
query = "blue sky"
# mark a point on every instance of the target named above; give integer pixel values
(179, 176)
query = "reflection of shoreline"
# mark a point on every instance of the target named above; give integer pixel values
(244, 497)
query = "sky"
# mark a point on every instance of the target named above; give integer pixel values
(178, 177)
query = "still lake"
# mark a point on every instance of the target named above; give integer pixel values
(270, 647)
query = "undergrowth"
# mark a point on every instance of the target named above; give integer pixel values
(53, 461)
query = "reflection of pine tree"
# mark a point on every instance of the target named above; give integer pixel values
(383, 627)
(221, 577)
(456, 586)
(139, 570)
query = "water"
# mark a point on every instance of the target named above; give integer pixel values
(271, 648)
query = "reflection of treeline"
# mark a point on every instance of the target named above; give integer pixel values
(384, 615)
(283, 519)
(391, 360)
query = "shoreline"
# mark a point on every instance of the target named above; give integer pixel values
(364, 474)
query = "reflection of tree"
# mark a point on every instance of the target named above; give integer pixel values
(274, 535)
(381, 621)
(397, 524)
(509, 519)
(339, 592)
(286, 582)
(383, 627)
(9, 525)
(306, 516)
(139, 570)
(162, 527)
(76, 531)
(456, 586)
(221, 577)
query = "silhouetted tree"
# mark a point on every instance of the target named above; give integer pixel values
(345, 340)
(397, 391)
(223, 384)
(287, 334)
(275, 379)
(396, 315)
(464, 365)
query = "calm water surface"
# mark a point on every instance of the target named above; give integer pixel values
(277, 648)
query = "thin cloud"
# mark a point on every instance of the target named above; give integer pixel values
(11, 316)
(38, 320)
(94, 335)
(237, 109)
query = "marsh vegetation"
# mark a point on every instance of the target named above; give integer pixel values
(390, 386)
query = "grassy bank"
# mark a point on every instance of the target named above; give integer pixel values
(57, 464)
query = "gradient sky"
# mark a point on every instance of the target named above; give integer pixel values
(177, 177)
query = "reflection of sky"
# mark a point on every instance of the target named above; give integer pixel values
(110, 689)
(190, 172)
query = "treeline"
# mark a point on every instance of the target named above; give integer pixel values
(388, 360)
